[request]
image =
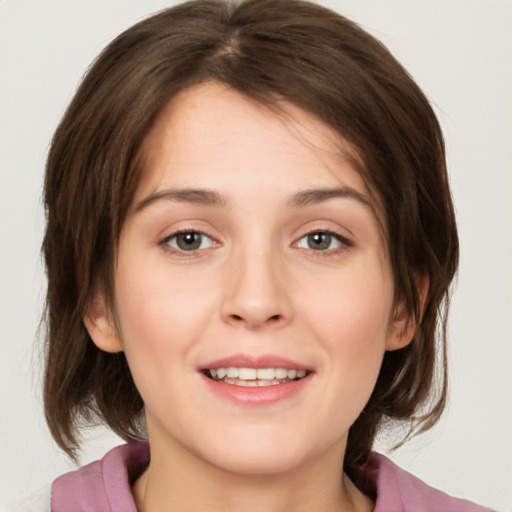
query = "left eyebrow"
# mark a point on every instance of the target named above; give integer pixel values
(314, 196)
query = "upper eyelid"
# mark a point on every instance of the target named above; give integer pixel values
(329, 231)
(325, 224)
(344, 239)
(165, 243)
(181, 232)
(345, 245)
(188, 230)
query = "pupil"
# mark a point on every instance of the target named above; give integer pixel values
(319, 241)
(189, 241)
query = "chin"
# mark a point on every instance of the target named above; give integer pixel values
(261, 463)
(262, 454)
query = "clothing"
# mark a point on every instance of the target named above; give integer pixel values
(104, 486)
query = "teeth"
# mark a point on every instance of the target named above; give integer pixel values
(250, 377)
(281, 373)
(266, 373)
(232, 373)
(247, 373)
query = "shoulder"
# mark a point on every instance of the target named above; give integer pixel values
(397, 490)
(103, 485)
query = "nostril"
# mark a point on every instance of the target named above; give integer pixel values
(273, 318)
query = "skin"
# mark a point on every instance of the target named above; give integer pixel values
(254, 286)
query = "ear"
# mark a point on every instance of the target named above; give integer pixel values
(403, 326)
(100, 326)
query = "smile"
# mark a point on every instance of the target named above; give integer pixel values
(254, 377)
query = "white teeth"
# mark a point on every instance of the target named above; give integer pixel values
(266, 373)
(247, 373)
(281, 373)
(232, 373)
(250, 377)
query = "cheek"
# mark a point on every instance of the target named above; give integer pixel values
(355, 304)
(350, 317)
(161, 318)
(158, 304)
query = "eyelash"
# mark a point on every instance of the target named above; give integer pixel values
(164, 243)
(344, 243)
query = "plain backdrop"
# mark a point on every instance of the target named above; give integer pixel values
(460, 52)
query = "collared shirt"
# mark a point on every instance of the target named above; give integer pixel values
(105, 486)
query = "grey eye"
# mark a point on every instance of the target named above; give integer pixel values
(190, 241)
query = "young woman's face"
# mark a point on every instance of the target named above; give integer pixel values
(252, 249)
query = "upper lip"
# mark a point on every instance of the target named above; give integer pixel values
(255, 361)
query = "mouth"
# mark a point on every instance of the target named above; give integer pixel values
(256, 380)
(255, 377)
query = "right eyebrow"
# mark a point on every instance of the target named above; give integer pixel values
(183, 195)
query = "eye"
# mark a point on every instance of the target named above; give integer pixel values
(322, 241)
(189, 241)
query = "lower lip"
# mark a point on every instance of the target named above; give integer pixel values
(263, 395)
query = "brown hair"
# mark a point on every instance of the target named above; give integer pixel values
(268, 50)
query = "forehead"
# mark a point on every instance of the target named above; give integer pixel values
(211, 135)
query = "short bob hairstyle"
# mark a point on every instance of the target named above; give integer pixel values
(270, 51)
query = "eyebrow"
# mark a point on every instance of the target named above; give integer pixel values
(207, 197)
(195, 196)
(314, 196)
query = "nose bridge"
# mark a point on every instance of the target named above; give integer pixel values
(256, 293)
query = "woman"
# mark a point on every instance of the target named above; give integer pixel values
(322, 84)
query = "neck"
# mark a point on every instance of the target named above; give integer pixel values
(318, 484)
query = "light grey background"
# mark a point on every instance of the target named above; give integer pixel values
(460, 52)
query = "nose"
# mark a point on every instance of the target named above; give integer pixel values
(256, 292)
